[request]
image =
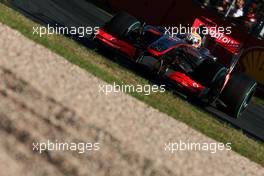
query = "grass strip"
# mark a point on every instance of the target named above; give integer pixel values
(111, 72)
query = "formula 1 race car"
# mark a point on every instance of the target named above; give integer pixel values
(193, 71)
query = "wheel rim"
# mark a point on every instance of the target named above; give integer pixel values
(246, 100)
(221, 75)
(220, 71)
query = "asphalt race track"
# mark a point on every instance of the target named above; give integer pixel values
(83, 13)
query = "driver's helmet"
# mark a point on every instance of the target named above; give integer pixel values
(195, 39)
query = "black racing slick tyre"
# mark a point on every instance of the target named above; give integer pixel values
(209, 73)
(121, 25)
(237, 94)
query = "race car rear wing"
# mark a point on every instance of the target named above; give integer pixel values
(221, 38)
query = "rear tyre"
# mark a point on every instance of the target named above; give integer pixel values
(237, 94)
(121, 25)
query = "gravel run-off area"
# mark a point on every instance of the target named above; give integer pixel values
(43, 97)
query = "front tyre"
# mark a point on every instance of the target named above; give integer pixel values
(212, 75)
(237, 94)
(208, 73)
